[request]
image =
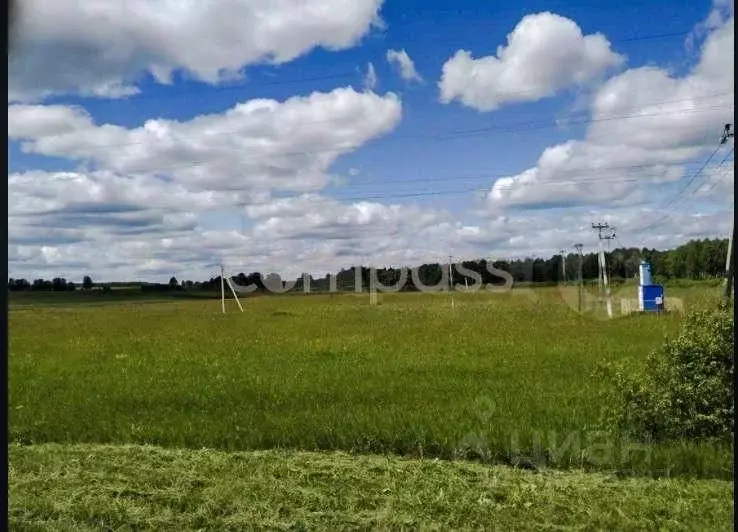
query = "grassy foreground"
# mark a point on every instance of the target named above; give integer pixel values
(98, 487)
(500, 377)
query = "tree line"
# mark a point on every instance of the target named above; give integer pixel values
(697, 259)
(57, 284)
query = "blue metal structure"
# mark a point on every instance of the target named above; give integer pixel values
(650, 296)
(653, 298)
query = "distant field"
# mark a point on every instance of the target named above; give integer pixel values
(500, 377)
(40, 299)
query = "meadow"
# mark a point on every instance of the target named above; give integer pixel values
(499, 378)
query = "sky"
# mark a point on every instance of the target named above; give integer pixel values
(156, 139)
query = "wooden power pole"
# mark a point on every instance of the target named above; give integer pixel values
(579, 274)
(563, 265)
(729, 263)
(728, 134)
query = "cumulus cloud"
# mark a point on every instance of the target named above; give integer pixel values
(140, 208)
(402, 62)
(119, 238)
(314, 216)
(720, 13)
(645, 125)
(40, 193)
(87, 224)
(159, 200)
(256, 146)
(545, 53)
(103, 48)
(318, 234)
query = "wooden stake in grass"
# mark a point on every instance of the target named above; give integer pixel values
(222, 290)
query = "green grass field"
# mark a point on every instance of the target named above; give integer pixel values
(92, 487)
(500, 378)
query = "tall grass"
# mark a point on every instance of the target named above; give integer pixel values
(500, 377)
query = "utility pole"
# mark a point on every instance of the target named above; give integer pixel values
(451, 279)
(579, 274)
(607, 268)
(600, 227)
(563, 264)
(604, 232)
(450, 273)
(729, 134)
(729, 263)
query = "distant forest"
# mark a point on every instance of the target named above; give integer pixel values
(697, 259)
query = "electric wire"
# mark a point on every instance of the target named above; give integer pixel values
(455, 134)
(689, 182)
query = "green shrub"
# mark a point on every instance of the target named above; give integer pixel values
(685, 390)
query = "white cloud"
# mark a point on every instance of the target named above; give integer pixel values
(306, 233)
(645, 125)
(400, 60)
(25, 121)
(155, 183)
(256, 146)
(160, 199)
(545, 53)
(370, 79)
(40, 193)
(87, 225)
(103, 48)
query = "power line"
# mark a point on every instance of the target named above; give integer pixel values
(586, 120)
(437, 137)
(505, 128)
(594, 181)
(473, 177)
(218, 89)
(501, 8)
(389, 180)
(418, 194)
(690, 180)
(715, 182)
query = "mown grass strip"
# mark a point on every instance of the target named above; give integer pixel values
(125, 487)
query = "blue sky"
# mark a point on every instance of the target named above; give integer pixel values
(423, 172)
